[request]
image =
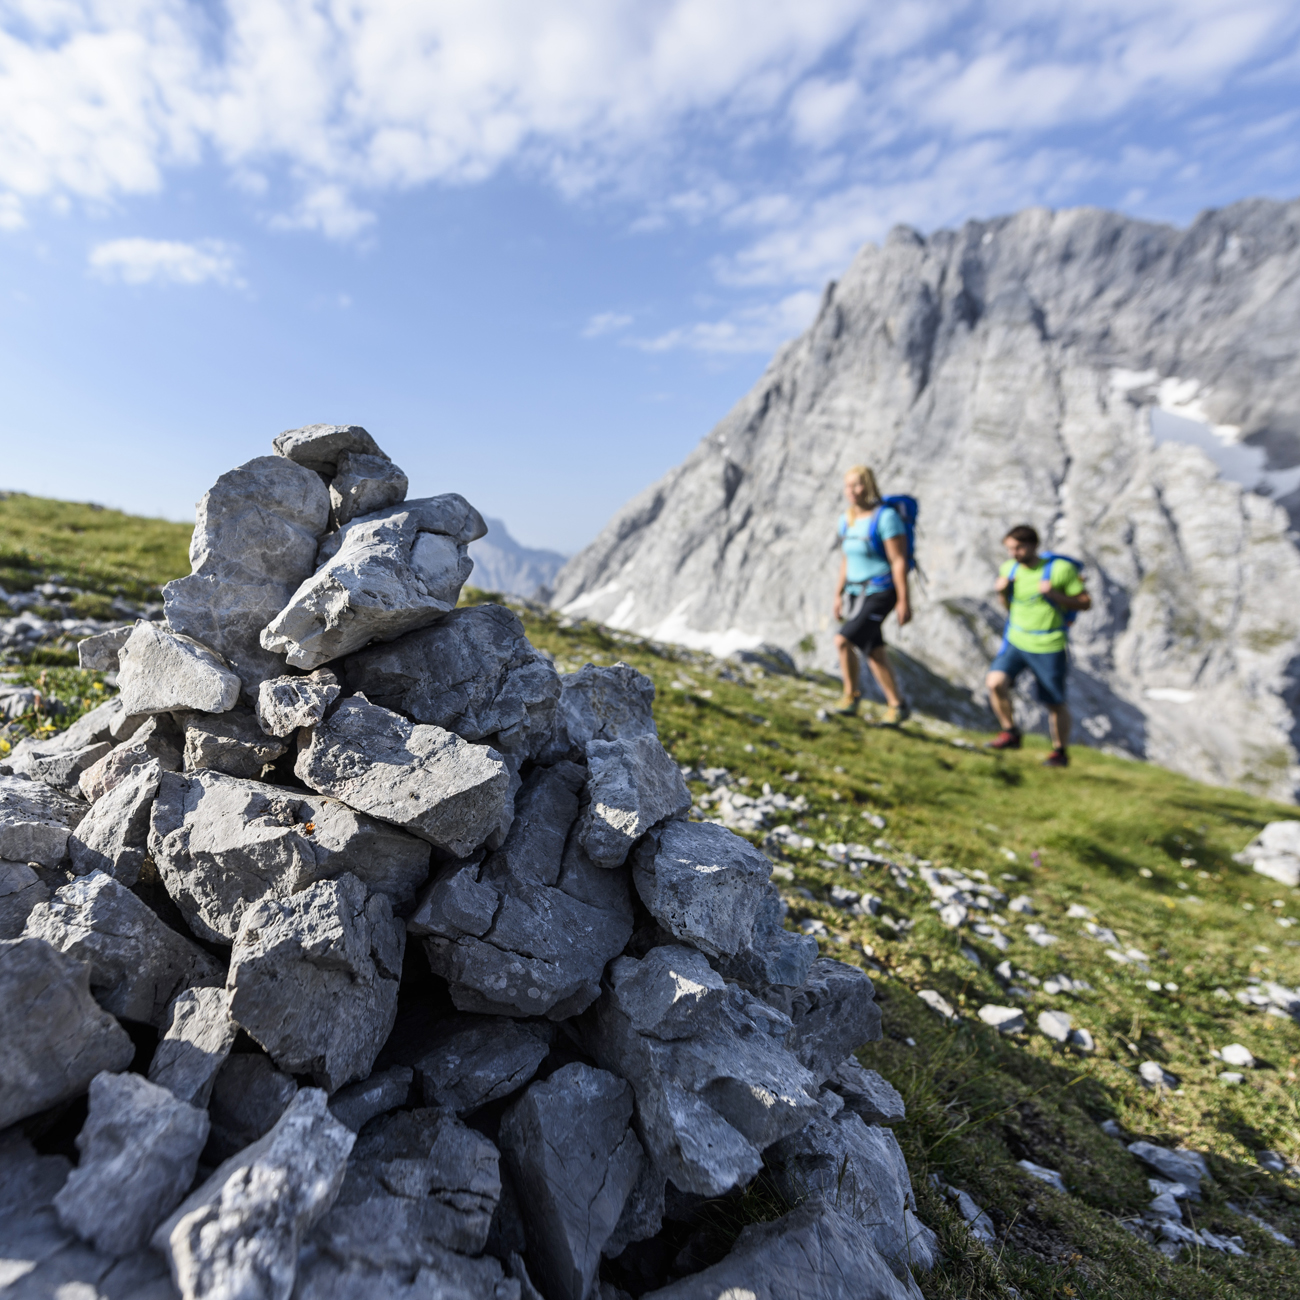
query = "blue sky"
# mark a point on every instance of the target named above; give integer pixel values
(538, 249)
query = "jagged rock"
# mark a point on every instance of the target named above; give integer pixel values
(255, 539)
(286, 703)
(715, 1081)
(196, 1040)
(157, 740)
(231, 742)
(451, 1277)
(30, 1232)
(478, 1060)
(611, 703)
(873, 1099)
(834, 1013)
(137, 963)
(56, 1039)
(222, 844)
(113, 837)
(529, 931)
(573, 1159)
(239, 1234)
(418, 1182)
(313, 978)
(319, 446)
(474, 673)
(379, 576)
(1181, 1166)
(422, 778)
(248, 1096)
(163, 671)
(363, 484)
(383, 1091)
(62, 768)
(99, 653)
(861, 1171)
(703, 884)
(634, 785)
(20, 890)
(35, 821)
(812, 1253)
(139, 1148)
(107, 722)
(777, 961)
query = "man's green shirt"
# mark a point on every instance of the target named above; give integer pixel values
(1037, 625)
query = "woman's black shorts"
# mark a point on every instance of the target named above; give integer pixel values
(864, 626)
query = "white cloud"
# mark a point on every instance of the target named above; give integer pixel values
(605, 322)
(760, 328)
(165, 261)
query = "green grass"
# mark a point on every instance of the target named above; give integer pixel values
(66, 695)
(103, 551)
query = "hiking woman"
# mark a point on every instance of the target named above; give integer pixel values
(873, 580)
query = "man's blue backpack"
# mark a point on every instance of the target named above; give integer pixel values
(907, 508)
(1069, 615)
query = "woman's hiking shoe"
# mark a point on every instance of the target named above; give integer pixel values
(897, 714)
(1005, 740)
(848, 705)
(1057, 758)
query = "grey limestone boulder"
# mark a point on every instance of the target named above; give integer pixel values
(163, 671)
(529, 930)
(603, 704)
(230, 742)
(139, 1148)
(478, 1059)
(383, 1091)
(574, 1160)
(248, 1097)
(634, 785)
(418, 1183)
(55, 1037)
(813, 1253)
(158, 739)
(222, 844)
(313, 979)
(363, 484)
(286, 703)
(379, 576)
(703, 884)
(35, 821)
(715, 1081)
(473, 672)
(137, 963)
(239, 1234)
(196, 1040)
(834, 1013)
(62, 767)
(776, 961)
(423, 778)
(255, 539)
(20, 890)
(318, 447)
(99, 653)
(113, 837)
(866, 1094)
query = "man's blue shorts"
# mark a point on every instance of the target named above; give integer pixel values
(1048, 670)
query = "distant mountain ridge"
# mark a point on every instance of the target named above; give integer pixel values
(1008, 372)
(502, 564)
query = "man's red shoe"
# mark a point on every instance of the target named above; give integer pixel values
(1057, 758)
(1005, 740)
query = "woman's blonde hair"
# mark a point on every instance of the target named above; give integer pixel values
(864, 474)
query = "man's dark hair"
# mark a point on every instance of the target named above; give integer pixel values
(1024, 534)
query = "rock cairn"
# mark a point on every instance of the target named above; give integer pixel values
(388, 965)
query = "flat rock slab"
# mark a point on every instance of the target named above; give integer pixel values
(379, 576)
(473, 672)
(62, 767)
(255, 540)
(248, 1097)
(1182, 1166)
(114, 836)
(286, 703)
(35, 821)
(574, 1160)
(313, 979)
(163, 671)
(139, 1148)
(56, 1037)
(107, 722)
(634, 785)
(230, 742)
(873, 1099)
(137, 963)
(423, 778)
(475, 1060)
(715, 1081)
(703, 884)
(529, 930)
(834, 1012)
(196, 1040)
(222, 844)
(318, 446)
(239, 1234)
(611, 703)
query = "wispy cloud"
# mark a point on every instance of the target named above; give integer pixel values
(166, 261)
(758, 328)
(605, 322)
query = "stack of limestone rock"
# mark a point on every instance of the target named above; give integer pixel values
(365, 956)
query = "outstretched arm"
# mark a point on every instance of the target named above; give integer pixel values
(839, 586)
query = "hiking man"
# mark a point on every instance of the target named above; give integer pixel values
(872, 581)
(1039, 591)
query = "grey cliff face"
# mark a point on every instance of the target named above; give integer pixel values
(1003, 373)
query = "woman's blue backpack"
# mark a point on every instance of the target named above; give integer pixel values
(906, 508)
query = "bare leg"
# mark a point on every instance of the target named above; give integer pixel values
(1058, 723)
(1000, 700)
(850, 668)
(884, 676)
